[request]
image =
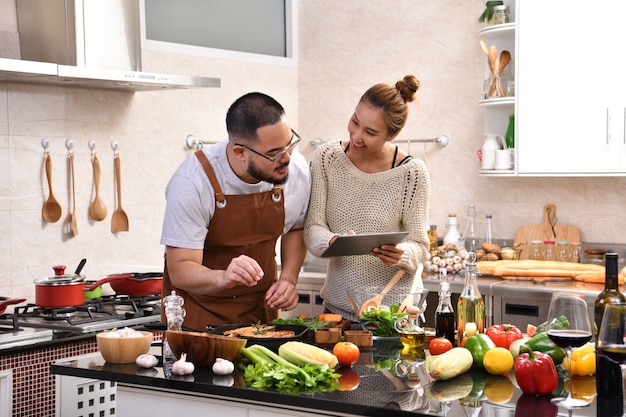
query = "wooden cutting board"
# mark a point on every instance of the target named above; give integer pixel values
(548, 230)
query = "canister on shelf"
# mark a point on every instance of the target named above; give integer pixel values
(536, 250)
(501, 15)
(562, 251)
(548, 251)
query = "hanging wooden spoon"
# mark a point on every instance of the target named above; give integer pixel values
(73, 222)
(97, 209)
(375, 301)
(119, 220)
(51, 210)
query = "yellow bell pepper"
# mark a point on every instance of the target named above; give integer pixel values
(583, 360)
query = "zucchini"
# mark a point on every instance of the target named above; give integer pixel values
(300, 353)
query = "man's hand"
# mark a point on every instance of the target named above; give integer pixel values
(282, 295)
(242, 270)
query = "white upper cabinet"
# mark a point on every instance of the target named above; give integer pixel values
(571, 88)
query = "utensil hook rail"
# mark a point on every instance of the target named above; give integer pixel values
(442, 141)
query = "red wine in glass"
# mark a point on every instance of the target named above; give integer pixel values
(564, 338)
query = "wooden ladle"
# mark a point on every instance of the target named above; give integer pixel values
(375, 301)
(51, 210)
(119, 220)
(73, 222)
(97, 209)
(408, 300)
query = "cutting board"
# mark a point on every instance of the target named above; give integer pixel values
(548, 230)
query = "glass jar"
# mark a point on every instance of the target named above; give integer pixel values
(501, 15)
(536, 250)
(548, 251)
(574, 252)
(432, 237)
(562, 251)
(595, 256)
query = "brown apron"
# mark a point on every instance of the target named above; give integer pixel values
(242, 224)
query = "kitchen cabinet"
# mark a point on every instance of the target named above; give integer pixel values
(571, 100)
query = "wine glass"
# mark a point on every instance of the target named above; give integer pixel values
(574, 308)
(611, 351)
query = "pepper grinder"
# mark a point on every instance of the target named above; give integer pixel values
(175, 314)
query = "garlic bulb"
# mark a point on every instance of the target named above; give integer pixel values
(223, 366)
(182, 367)
(146, 360)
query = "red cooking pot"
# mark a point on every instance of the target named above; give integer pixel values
(67, 290)
(5, 302)
(139, 284)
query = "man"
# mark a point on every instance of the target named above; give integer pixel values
(226, 207)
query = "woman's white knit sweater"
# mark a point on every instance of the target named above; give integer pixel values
(344, 198)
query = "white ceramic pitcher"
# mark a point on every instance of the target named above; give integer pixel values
(492, 143)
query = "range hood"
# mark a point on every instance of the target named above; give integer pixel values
(19, 71)
(86, 43)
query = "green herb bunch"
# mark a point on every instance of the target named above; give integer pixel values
(488, 13)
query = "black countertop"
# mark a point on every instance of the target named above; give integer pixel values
(381, 392)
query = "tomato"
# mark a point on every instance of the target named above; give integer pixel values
(347, 353)
(439, 345)
(349, 379)
(503, 334)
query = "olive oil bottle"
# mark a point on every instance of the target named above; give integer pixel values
(470, 307)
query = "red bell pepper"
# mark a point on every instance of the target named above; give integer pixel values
(504, 334)
(535, 372)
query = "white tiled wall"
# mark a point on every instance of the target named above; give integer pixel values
(344, 48)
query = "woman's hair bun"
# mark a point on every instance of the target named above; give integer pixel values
(407, 87)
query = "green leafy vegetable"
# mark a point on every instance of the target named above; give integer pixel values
(380, 320)
(268, 371)
(312, 322)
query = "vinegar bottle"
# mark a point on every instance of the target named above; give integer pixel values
(470, 307)
(608, 372)
(444, 315)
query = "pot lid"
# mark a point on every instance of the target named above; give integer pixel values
(65, 279)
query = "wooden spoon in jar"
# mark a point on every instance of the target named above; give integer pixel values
(375, 301)
(505, 58)
(51, 210)
(97, 209)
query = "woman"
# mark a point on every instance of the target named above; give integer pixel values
(369, 185)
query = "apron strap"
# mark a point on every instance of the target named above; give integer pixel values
(220, 199)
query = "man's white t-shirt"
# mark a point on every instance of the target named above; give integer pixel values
(191, 199)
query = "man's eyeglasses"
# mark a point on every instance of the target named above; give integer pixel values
(295, 139)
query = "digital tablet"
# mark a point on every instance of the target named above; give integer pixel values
(361, 244)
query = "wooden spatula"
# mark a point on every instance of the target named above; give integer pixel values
(119, 220)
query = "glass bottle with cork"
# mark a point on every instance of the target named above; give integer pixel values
(472, 241)
(471, 305)
(453, 235)
(607, 371)
(432, 237)
(444, 314)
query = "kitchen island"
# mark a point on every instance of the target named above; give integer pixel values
(385, 388)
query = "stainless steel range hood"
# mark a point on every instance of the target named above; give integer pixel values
(86, 43)
(14, 70)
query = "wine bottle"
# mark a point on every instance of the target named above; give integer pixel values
(611, 293)
(509, 137)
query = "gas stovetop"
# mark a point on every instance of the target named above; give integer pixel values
(103, 313)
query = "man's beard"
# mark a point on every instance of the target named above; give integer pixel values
(259, 175)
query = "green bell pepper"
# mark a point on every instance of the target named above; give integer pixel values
(540, 342)
(560, 322)
(478, 345)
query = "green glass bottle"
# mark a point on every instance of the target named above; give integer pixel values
(510, 133)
